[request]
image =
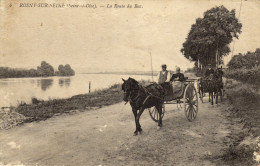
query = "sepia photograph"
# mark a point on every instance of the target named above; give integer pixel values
(129, 82)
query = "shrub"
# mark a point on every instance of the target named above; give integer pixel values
(251, 76)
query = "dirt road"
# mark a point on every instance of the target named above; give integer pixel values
(105, 137)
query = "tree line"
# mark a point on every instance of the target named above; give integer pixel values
(245, 68)
(44, 70)
(245, 61)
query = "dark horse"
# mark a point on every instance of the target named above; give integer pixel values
(219, 83)
(141, 98)
(213, 85)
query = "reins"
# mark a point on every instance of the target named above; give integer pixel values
(147, 97)
(132, 100)
(150, 94)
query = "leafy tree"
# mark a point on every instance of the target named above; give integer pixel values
(45, 69)
(69, 70)
(61, 70)
(211, 34)
(248, 60)
(65, 70)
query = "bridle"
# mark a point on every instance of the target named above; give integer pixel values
(129, 98)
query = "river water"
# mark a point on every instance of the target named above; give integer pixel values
(15, 90)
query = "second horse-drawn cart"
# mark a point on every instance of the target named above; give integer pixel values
(186, 98)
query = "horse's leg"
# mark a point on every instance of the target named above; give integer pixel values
(137, 120)
(216, 97)
(201, 92)
(218, 94)
(159, 108)
(212, 98)
(136, 126)
(209, 96)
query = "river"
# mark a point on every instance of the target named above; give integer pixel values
(16, 90)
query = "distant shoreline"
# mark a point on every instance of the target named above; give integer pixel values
(34, 77)
(116, 73)
(123, 73)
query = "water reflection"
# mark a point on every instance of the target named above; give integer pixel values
(23, 89)
(67, 82)
(45, 83)
(64, 81)
(61, 82)
(3, 84)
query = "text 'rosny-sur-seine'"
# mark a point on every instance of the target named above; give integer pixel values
(68, 5)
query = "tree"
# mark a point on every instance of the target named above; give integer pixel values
(248, 60)
(211, 35)
(69, 70)
(45, 69)
(61, 70)
(65, 70)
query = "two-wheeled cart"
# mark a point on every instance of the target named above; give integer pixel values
(188, 100)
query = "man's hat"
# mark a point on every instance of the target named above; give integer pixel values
(164, 65)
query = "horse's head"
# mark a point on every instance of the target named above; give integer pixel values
(128, 86)
(218, 74)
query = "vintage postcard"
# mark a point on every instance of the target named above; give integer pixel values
(129, 82)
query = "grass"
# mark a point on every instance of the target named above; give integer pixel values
(243, 93)
(245, 101)
(251, 76)
(41, 110)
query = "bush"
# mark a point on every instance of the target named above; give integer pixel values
(251, 76)
(247, 60)
(41, 110)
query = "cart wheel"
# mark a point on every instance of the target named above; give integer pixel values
(190, 102)
(155, 114)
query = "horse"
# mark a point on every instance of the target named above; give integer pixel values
(212, 85)
(213, 88)
(141, 98)
(219, 82)
(203, 86)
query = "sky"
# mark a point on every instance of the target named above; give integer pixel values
(110, 39)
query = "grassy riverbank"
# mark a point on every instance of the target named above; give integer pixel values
(41, 110)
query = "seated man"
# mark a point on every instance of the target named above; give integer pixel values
(164, 75)
(178, 76)
(220, 72)
(209, 71)
(163, 78)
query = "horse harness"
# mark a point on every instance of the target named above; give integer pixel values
(148, 96)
